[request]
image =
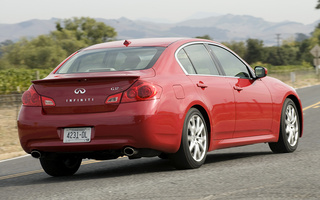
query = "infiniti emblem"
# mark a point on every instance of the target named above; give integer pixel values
(80, 90)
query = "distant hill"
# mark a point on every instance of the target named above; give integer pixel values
(31, 28)
(220, 28)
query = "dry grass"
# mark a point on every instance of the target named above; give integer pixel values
(9, 141)
(302, 78)
(303, 83)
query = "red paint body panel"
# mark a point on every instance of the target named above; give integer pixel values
(235, 116)
(253, 108)
(138, 125)
(219, 100)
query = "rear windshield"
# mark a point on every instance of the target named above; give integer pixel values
(117, 59)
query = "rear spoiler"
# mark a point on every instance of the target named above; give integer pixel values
(58, 78)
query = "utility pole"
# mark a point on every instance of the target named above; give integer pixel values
(278, 42)
(278, 39)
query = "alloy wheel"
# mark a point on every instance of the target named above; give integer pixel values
(291, 125)
(197, 138)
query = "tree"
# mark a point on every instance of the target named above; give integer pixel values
(238, 47)
(47, 51)
(304, 51)
(306, 45)
(255, 51)
(87, 29)
(41, 52)
(206, 37)
(68, 41)
(318, 5)
(301, 37)
(4, 45)
(315, 36)
(272, 56)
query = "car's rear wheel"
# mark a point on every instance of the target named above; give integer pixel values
(194, 142)
(60, 166)
(289, 129)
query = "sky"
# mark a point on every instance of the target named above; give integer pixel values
(14, 11)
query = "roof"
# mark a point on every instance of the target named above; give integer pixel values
(162, 42)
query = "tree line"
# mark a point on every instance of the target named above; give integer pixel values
(292, 51)
(47, 51)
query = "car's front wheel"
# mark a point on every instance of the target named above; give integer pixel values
(289, 129)
(194, 142)
(60, 166)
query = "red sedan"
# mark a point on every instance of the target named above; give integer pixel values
(171, 97)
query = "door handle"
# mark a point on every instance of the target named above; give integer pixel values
(201, 85)
(237, 88)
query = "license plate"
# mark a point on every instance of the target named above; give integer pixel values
(77, 135)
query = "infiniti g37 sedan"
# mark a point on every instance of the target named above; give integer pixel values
(176, 98)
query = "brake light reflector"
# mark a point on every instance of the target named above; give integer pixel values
(31, 97)
(47, 101)
(141, 91)
(114, 99)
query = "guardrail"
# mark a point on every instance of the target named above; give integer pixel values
(10, 105)
(9, 100)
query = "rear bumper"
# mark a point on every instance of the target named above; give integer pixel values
(137, 124)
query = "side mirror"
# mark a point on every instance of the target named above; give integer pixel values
(260, 72)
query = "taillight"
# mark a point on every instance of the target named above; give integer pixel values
(32, 98)
(141, 91)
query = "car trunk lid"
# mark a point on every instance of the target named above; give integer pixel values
(74, 94)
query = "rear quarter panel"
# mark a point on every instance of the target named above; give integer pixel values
(179, 93)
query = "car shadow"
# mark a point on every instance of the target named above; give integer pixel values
(124, 167)
(221, 157)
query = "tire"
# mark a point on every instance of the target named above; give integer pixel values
(61, 166)
(289, 129)
(194, 142)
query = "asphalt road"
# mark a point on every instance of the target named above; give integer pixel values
(250, 172)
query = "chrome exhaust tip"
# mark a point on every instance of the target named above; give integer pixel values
(36, 154)
(129, 151)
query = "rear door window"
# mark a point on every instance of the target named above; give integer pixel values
(195, 59)
(185, 62)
